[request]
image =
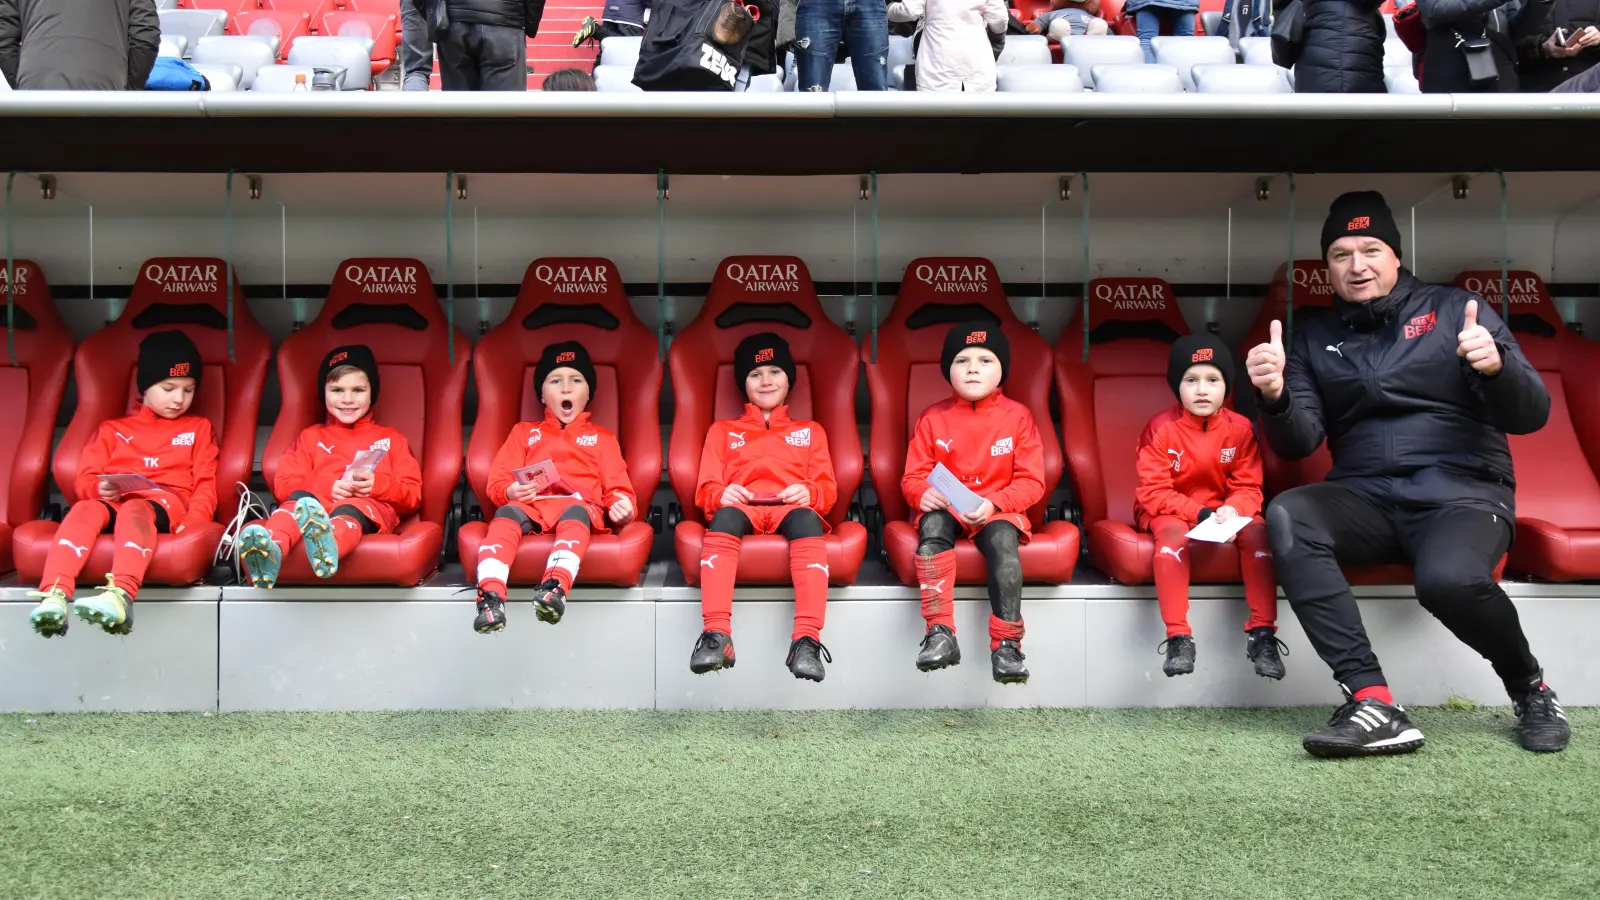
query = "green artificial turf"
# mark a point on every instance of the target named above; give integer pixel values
(938, 804)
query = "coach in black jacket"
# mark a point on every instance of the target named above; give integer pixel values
(483, 44)
(1414, 386)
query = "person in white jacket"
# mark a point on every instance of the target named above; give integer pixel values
(955, 54)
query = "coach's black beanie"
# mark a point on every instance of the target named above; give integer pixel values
(565, 355)
(167, 354)
(1199, 349)
(976, 334)
(358, 355)
(764, 349)
(1360, 213)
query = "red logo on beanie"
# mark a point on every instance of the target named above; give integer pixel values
(566, 357)
(978, 337)
(1203, 355)
(1359, 223)
(181, 370)
(338, 358)
(764, 355)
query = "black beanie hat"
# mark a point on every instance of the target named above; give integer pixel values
(167, 354)
(1358, 214)
(764, 349)
(976, 334)
(1198, 349)
(358, 355)
(565, 355)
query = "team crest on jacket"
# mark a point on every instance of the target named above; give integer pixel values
(380, 444)
(1001, 447)
(535, 436)
(1421, 325)
(588, 440)
(184, 440)
(735, 440)
(1227, 454)
(800, 437)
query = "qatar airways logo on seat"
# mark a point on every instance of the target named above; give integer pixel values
(383, 279)
(1150, 295)
(184, 279)
(766, 277)
(954, 279)
(572, 279)
(1315, 281)
(5, 280)
(1526, 290)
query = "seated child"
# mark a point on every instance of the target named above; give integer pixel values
(316, 475)
(765, 473)
(594, 487)
(1069, 17)
(1198, 460)
(990, 443)
(159, 441)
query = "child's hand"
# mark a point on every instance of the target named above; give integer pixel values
(933, 501)
(795, 495)
(621, 512)
(1224, 514)
(735, 494)
(1033, 27)
(108, 493)
(361, 484)
(343, 490)
(980, 516)
(522, 493)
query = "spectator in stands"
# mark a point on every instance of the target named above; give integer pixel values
(333, 466)
(78, 45)
(483, 43)
(1198, 462)
(569, 80)
(1565, 47)
(416, 49)
(584, 484)
(955, 53)
(990, 443)
(1415, 387)
(621, 18)
(149, 473)
(1151, 17)
(1342, 47)
(820, 26)
(1469, 47)
(765, 473)
(1066, 18)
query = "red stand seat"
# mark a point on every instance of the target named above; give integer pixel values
(935, 294)
(185, 293)
(286, 26)
(33, 373)
(389, 305)
(578, 299)
(750, 295)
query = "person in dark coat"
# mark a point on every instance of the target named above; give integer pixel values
(1414, 387)
(1342, 51)
(1544, 62)
(78, 45)
(482, 44)
(1444, 67)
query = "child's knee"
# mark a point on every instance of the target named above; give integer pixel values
(801, 523)
(576, 513)
(729, 520)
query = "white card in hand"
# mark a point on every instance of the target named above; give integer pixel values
(1219, 532)
(963, 499)
(364, 463)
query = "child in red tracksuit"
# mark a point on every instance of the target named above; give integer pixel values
(991, 444)
(593, 489)
(319, 472)
(160, 442)
(1198, 461)
(765, 473)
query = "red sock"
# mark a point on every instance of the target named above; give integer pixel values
(284, 529)
(572, 540)
(135, 537)
(495, 554)
(346, 534)
(937, 574)
(719, 568)
(808, 568)
(1260, 578)
(1001, 630)
(75, 538)
(1378, 692)
(1172, 575)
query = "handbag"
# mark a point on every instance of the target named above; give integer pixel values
(1288, 34)
(693, 45)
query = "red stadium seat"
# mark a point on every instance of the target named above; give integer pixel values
(285, 26)
(1558, 496)
(935, 294)
(171, 292)
(389, 305)
(34, 374)
(750, 295)
(570, 300)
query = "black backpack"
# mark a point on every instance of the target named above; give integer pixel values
(693, 45)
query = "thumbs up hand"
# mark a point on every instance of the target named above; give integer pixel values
(1265, 364)
(1476, 344)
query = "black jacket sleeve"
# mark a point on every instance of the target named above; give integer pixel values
(144, 41)
(533, 12)
(1441, 13)
(10, 40)
(1516, 398)
(1293, 425)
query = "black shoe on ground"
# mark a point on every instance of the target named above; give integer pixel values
(1007, 662)
(713, 651)
(1364, 728)
(805, 659)
(1264, 650)
(491, 613)
(939, 649)
(549, 601)
(1180, 655)
(1541, 724)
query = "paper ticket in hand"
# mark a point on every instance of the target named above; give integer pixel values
(365, 463)
(1219, 532)
(129, 484)
(959, 495)
(545, 479)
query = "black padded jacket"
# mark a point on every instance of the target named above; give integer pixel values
(520, 14)
(1342, 51)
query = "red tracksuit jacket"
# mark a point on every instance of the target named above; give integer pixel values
(991, 445)
(766, 456)
(178, 454)
(586, 455)
(322, 453)
(1187, 464)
